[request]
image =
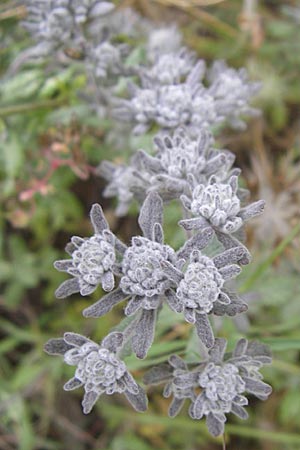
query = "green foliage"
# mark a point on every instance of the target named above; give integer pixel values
(38, 108)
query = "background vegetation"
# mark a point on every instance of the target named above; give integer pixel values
(50, 142)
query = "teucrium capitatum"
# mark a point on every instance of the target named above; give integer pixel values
(185, 102)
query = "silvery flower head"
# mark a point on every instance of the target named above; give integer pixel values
(222, 384)
(218, 204)
(170, 106)
(141, 268)
(49, 21)
(201, 287)
(106, 59)
(181, 162)
(163, 41)
(187, 102)
(56, 23)
(232, 92)
(98, 368)
(183, 156)
(223, 381)
(170, 68)
(92, 259)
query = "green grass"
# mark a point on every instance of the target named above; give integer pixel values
(40, 107)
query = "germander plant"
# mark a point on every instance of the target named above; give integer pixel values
(175, 94)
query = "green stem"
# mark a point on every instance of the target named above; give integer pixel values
(223, 442)
(27, 107)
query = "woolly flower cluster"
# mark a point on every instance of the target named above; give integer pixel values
(169, 68)
(98, 368)
(149, 274)
(201, 276)
(106, 59)
(223, 381)
(217, 203)
(184, 158)
(189, 168)
(58, 23)
(142, 268)
(152, 273)
(178, 91)
(221, 384)
(93, 259)
(84, 31)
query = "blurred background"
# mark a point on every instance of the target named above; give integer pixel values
(50, 143)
